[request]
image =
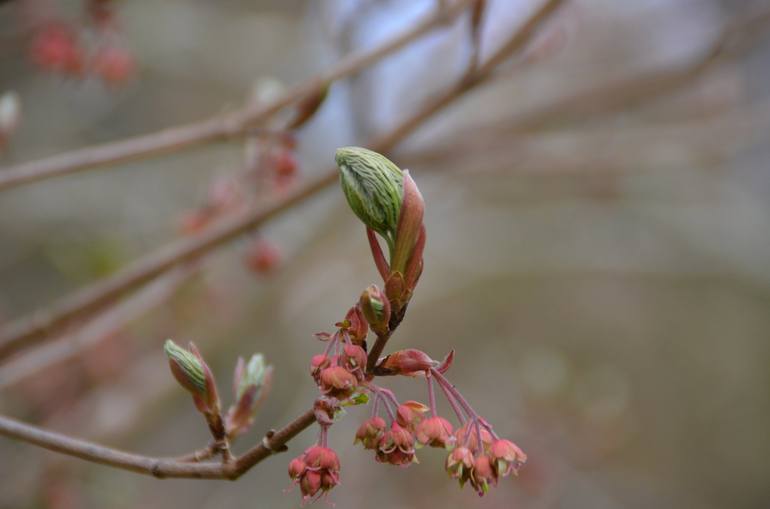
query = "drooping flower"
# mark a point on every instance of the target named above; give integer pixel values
(409, 414)
(353, 359)
(337, 382)
(435, 432)
(459, 463)
(506, 457)
(396, 446)
(482, 474)
(370, 432)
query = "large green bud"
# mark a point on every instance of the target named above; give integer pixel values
(187, 368)
(192, 373)
(373, 186)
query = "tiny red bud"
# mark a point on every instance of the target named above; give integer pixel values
(55, 48)
(262, 257)
(114, 65)
(285, 164)
(356, 325)
(407, 362)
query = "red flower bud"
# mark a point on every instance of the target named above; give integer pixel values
(376, 308)
(406, 362)
(435, 432)
(55, 48)
(318, 363)
(297, 467)
(285, 164)
(322, 458)
(355, 324)
(262, 257)
(310, 483)
(114, 65)
(370, 432)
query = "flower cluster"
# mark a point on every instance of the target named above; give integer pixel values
(57, 47)
(387, 200)
(316, 471)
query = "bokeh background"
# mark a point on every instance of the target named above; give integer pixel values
(598, 256)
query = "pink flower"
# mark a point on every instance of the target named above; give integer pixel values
(355, 324)
(337, 382)
(353, 358)
(506, 457)
(459, 463)
(396, 446)
(482, 475)
(370, 432)
(297, 467)
(409, 414)
(435, 432)
(317, 364)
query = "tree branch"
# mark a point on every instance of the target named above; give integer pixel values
(218, 128)
(156, 467)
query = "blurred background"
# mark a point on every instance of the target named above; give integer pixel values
(598, 244)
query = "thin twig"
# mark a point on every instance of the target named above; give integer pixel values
(157, 467)
(218, 128)
(37, 327)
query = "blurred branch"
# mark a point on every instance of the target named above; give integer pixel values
(220, 127)
(38, 326)
(737, 36)
(592, 151)
(102, 327)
